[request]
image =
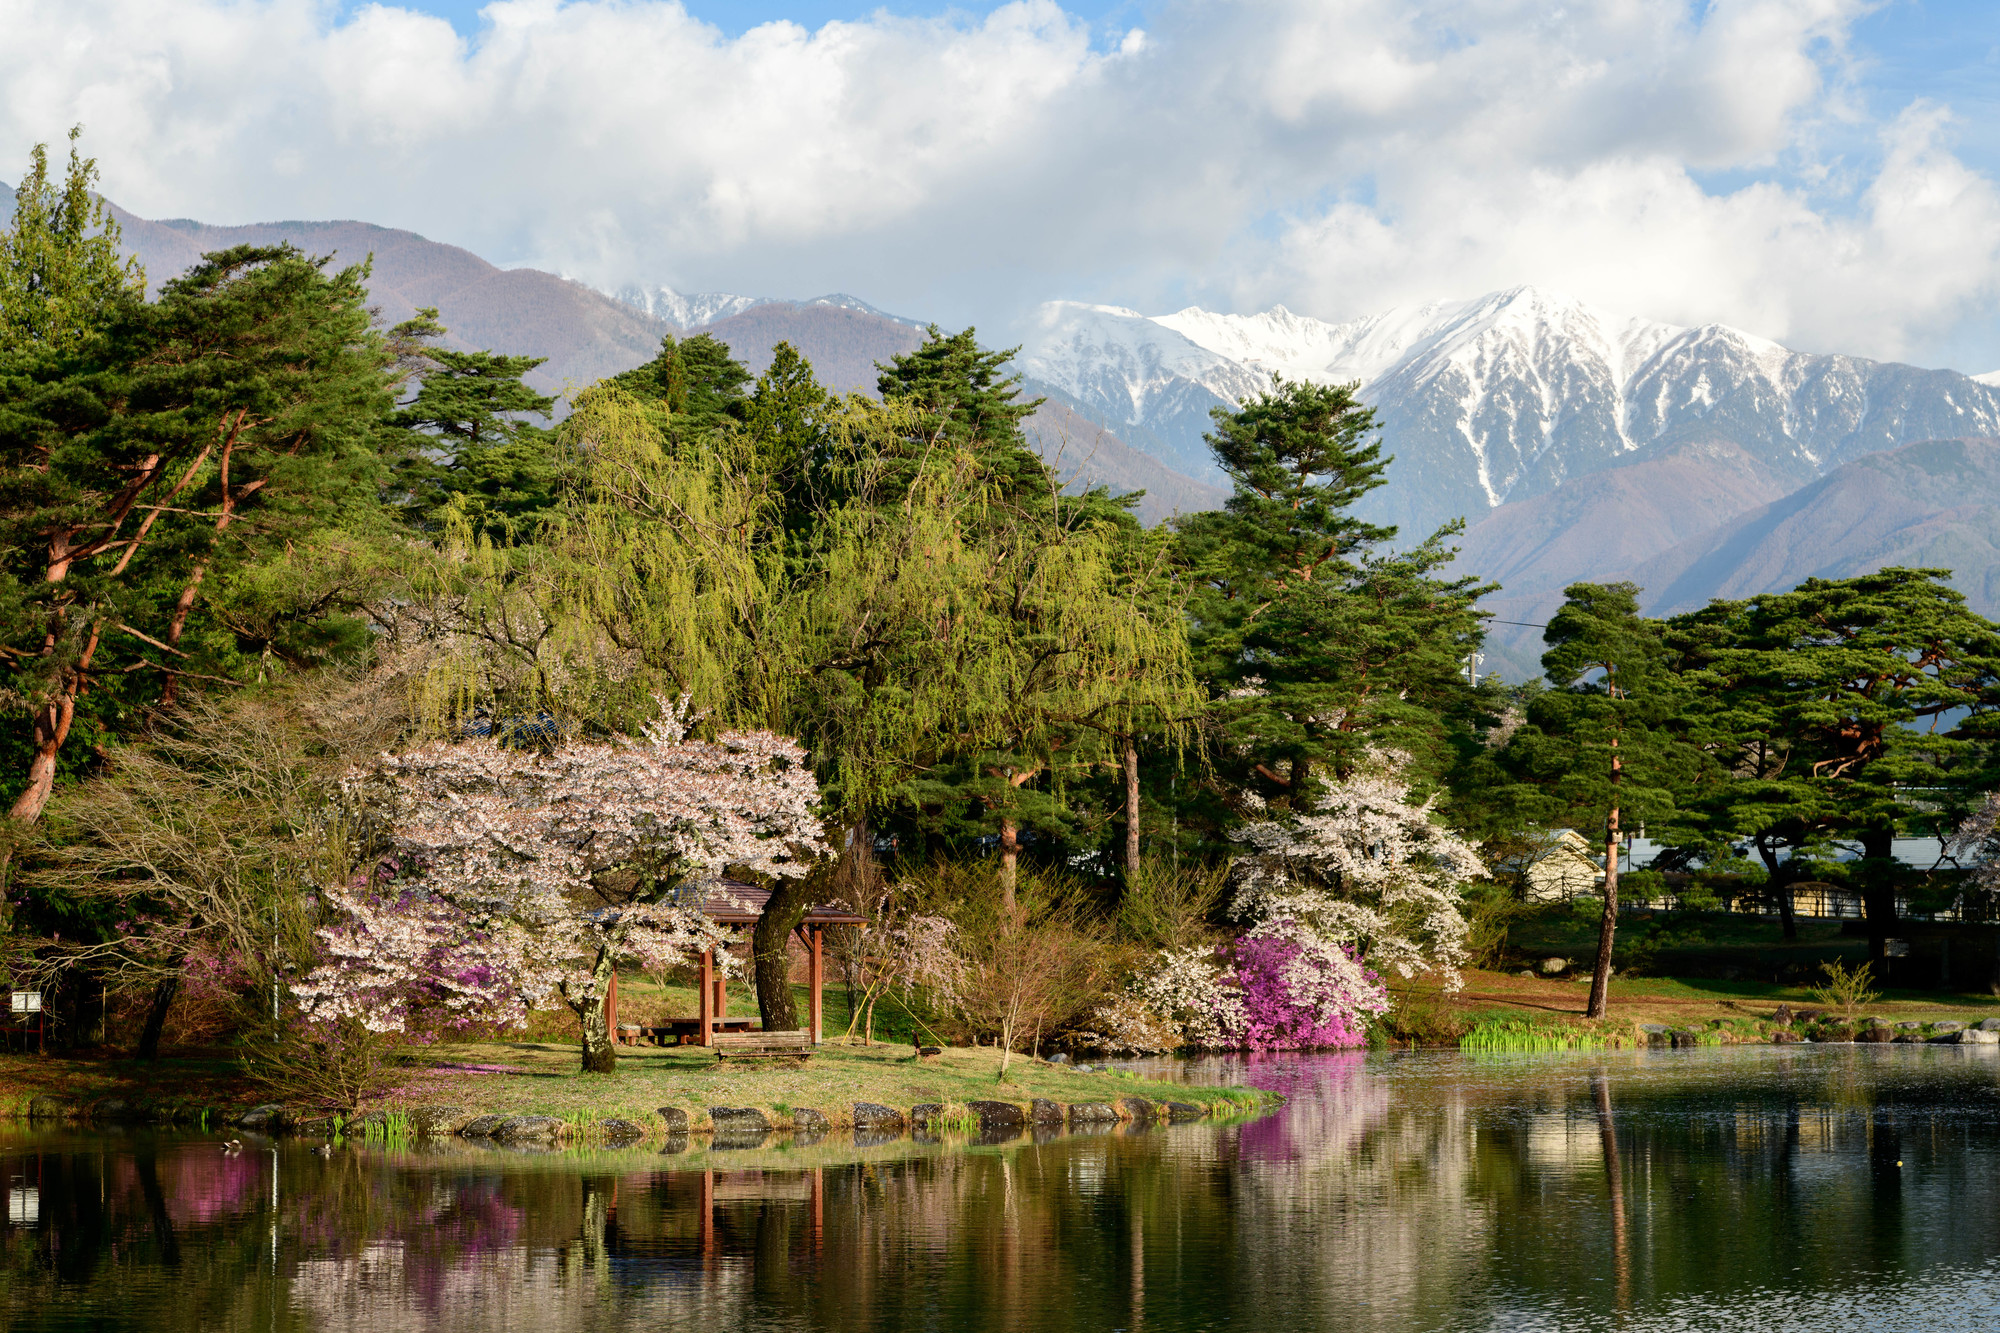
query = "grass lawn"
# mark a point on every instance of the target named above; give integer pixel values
(543, 1079)
(1683, 1000)
(540, 1074)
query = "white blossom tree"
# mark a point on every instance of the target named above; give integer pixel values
(1363, 868)
(519, 874)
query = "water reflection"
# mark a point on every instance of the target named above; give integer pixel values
(1765, 1187)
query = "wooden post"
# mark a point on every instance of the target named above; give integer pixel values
(706, 988)
(611, 1006)
(721, 994)
(817, 972)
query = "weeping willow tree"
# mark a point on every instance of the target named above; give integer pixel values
(655, 577)
(933, 641)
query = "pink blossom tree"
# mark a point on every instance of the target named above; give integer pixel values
(525, 874)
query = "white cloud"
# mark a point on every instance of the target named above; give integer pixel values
(1338, 157)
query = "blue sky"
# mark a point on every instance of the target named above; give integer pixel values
(735, 18)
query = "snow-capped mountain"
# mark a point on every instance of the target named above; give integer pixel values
(1147, 382)
(694, 310)
(688, 310)
(1503, 397)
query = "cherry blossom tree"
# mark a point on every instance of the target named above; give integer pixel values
(1359, 882)
(1362, 868)
(517, 875)
(1975, 846)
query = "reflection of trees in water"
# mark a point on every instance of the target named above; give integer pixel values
(1422, 1192)
(1377, 1196)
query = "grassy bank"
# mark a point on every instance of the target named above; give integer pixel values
(542, 1078)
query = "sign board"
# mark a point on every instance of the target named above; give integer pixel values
(27, 1002)
(1895, 948)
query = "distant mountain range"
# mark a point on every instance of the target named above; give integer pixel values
(587, 334)
(1697, 522)
(1697, 462)
(1505, 397)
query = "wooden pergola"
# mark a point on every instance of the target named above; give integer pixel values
(733, 903)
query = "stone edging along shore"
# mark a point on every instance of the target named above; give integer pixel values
(982, 1117)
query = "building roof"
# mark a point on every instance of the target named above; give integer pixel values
(738, 904)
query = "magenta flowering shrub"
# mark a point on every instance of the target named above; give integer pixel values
(1294, 998)
(1276, 988)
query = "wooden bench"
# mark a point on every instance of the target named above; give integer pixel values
(763, 1045)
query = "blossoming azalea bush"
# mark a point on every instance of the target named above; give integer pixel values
(520, 875)
(1301, 993)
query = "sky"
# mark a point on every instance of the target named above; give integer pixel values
(1825, 173)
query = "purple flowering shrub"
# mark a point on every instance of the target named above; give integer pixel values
(1291, 1003)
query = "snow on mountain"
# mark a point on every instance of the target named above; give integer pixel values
(688, 310)
(1127, 371)
(842, 301)
(1503, 397)
(694, 310)
(1990, 377)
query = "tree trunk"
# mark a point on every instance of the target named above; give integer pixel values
(1131, 810)
(156, 1017)
(1878, 893)
(51, 729)
(1600, 977)
(1010, 862)
(770, 964)
(1781, 887)
(600, 1052)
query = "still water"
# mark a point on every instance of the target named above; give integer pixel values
(1766, 1188)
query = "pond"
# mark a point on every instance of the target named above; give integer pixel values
(1828, 1187)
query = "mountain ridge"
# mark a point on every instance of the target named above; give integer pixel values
(1504, 396)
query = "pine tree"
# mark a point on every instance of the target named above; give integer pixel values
(1840, 702)
(1605, 747)
(476, 447)
(695, 380)
(789, 417)
(183, 465)
(1316, 642)
(61, 270)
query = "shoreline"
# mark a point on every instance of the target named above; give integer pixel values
(531, 1091)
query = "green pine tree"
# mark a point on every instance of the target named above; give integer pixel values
(1316, 640)
(61, 269)
(189, 495)
(477, 447)
(694, 381)
(1848, 709)
(1606, 748)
